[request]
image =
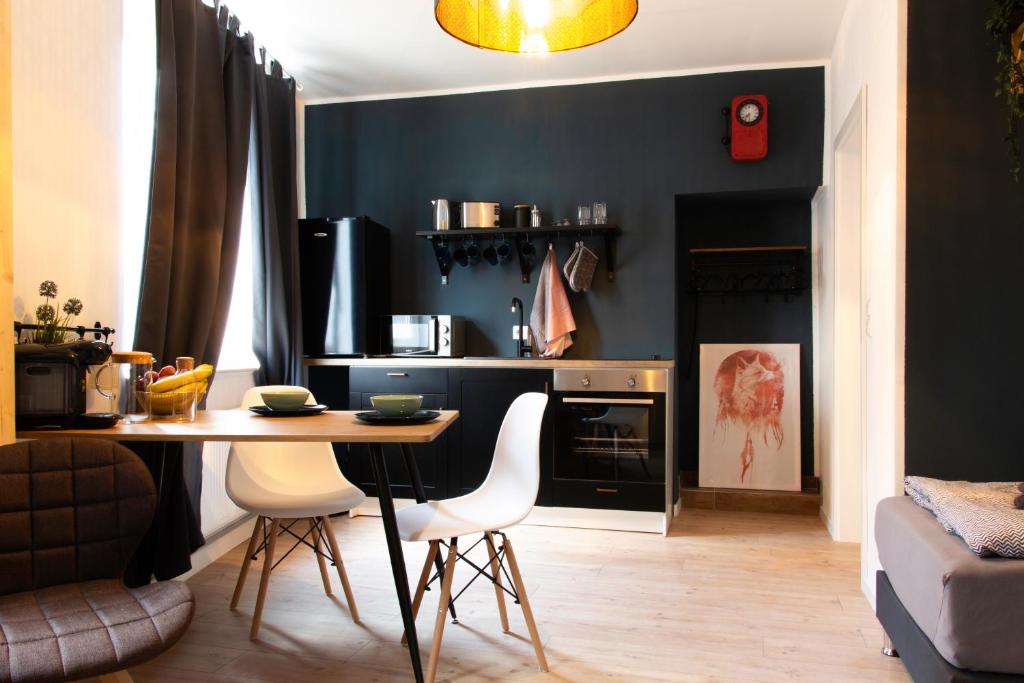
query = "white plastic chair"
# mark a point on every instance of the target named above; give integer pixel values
(288, 482)
(504, 499)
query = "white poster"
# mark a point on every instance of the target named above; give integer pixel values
(750, 416)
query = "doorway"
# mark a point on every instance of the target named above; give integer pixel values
(849, 385)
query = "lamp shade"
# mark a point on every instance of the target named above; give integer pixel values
(534, 25)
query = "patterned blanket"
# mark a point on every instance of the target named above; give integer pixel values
(982, 515)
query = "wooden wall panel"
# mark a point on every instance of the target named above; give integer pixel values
(6, 234)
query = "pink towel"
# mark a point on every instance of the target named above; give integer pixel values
(551, 319)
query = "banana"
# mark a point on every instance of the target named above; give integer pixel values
(203, 372)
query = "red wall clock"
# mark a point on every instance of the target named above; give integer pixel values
(748, 127)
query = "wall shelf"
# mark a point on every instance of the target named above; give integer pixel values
(520, 236)
(748, 270)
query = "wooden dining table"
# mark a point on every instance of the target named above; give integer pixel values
(331, 427)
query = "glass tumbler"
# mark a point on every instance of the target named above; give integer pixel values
(600, 213)
(132, 394)
(583, 214)
(184, 397)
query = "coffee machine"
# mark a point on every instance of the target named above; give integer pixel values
(50, 382)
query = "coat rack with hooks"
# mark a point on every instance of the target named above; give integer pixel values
(748, 270)
(520, 236)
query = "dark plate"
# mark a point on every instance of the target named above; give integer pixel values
(419, 417)
(298, 412)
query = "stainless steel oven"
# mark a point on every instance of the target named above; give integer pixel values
(609, 439)
(423, 335)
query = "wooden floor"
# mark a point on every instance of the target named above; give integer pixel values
(727, 597)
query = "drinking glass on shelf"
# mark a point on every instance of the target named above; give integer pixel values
(583, 214)
(600, 213)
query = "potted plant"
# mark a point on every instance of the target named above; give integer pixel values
(1006, 24)
(49, 320)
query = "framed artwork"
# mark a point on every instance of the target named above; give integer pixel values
(750, 416)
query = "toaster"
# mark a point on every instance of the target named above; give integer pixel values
(49, 381)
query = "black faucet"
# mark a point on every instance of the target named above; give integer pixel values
(521, 345)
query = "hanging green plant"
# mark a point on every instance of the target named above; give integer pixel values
(1006, 24)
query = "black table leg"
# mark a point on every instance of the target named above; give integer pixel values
(421, 497)
(387, 513)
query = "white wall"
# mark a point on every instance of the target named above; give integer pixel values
(66, 61)
(870, 53)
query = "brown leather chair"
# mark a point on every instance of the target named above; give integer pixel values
(72, 512)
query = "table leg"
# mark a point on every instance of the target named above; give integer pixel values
(421, 497)
(387, 513)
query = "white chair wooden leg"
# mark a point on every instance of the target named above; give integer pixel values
(342, 574)
(524, 602)
(257, 528)
(499, 592)
(117, 677)
(421, 585)
(319, 549)
(268, 564)
(442, 611)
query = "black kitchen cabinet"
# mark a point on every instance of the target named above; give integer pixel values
(431, 458)
(482, 396)
(458, 461)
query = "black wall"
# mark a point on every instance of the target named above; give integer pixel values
(965, 246)
(633, 144)
(739, 221)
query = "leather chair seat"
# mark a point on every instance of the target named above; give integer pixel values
(85, 629)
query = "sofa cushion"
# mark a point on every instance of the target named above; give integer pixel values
(86, 629)
(70, 510)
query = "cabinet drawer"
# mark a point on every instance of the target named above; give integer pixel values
(378, 380)
(611, 495)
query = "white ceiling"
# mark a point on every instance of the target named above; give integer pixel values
(364, 48)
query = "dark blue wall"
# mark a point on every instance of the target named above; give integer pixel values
(965, 244)
(633, 144)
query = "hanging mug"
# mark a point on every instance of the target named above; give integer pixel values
(491, 254)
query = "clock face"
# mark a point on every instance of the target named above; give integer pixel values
(749, 112)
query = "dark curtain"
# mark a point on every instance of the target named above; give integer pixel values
(200, 158)
(277, 325)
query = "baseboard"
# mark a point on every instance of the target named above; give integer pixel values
(827, 521)
(577, 518)
(220, 544)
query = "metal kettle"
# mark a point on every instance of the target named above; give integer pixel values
(442, 214)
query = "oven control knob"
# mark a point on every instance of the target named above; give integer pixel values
(631, 382)
(444, 342)
(445, 329)
(585, 381)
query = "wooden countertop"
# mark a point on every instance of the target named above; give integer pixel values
(241, 425)
(484, 362)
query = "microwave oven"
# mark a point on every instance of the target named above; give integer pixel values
(423, 335)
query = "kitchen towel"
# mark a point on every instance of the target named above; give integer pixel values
(583, 266)
(551, 319)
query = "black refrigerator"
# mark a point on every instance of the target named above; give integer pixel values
(345, 277)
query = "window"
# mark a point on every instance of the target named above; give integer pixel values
(138, 97)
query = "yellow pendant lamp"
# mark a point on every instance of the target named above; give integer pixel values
(534, 25)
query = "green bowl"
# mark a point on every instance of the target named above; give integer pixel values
(285, 400)
(397, 405)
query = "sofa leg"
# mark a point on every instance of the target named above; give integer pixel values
(888, 649)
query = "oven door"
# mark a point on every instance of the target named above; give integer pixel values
(609, 451)
(411, 335)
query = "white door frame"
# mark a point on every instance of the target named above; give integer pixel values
(849, 386)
